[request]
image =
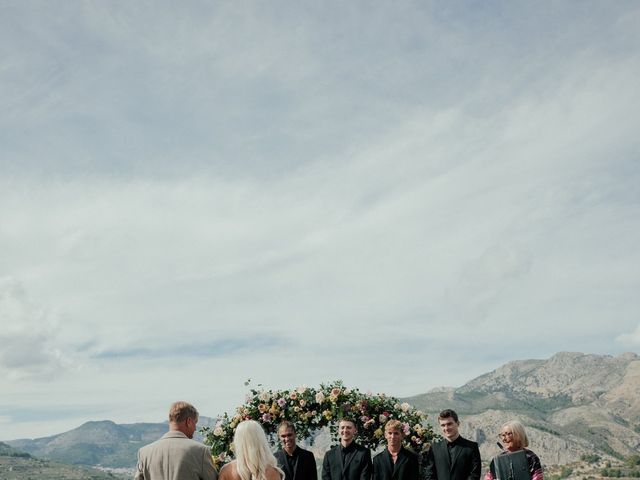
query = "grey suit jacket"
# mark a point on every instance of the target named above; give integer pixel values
(175, 457)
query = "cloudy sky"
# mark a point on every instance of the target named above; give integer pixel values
(401, 195)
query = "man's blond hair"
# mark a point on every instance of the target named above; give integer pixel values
(180, 411)
(394, 425)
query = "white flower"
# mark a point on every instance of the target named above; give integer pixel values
(264, 396)
(319, 397)
(405, 407)
(301, 389)
(218, 432)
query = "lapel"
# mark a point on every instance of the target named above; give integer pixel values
(393, 469)
(455, 454)
(388, 464)
(444, 453)
(347, 459)
(285, 464)
(295, 465)
(338, 454)
(402, 457)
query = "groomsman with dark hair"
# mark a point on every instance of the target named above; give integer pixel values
(454, 458)
(395, 462)
(297, 463)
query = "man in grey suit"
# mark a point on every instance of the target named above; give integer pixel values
(176, 456)
(454, 458)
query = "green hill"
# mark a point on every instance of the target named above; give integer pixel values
(17, 465)
(103, 443)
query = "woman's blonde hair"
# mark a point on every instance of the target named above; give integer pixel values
(517, 430)
(253, 453)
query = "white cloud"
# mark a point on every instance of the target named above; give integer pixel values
(631, 339)
(236, 191)
(28, 337)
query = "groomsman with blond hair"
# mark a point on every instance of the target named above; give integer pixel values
(395, 462)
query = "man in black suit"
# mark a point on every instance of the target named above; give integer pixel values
(454, 458)
(347, 461)
(296, 463)
(395, 462)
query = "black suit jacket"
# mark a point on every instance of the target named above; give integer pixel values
(405, 468)
(357, 465)
(305, 467)
(465, 464)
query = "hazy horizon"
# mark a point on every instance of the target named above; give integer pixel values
(266, 387)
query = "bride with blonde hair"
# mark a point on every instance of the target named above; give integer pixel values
(254, 459)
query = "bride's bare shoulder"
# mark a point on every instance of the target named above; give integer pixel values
(273, 474)
(228, 471)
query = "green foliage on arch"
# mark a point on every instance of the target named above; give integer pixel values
(311, 409)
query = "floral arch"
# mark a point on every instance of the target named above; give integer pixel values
(311, 409)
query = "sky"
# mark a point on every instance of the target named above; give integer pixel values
(400, 195)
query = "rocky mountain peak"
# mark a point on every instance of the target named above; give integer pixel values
(572, 404)
(578, 376)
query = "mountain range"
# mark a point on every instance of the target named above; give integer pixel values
(103, 443)
(572, 404)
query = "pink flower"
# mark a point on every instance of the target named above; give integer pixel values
(266, 417)
(282, 402)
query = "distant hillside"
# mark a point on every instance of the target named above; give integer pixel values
(17, 465)
(102, 443)
(8, 451)
(572, 404)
